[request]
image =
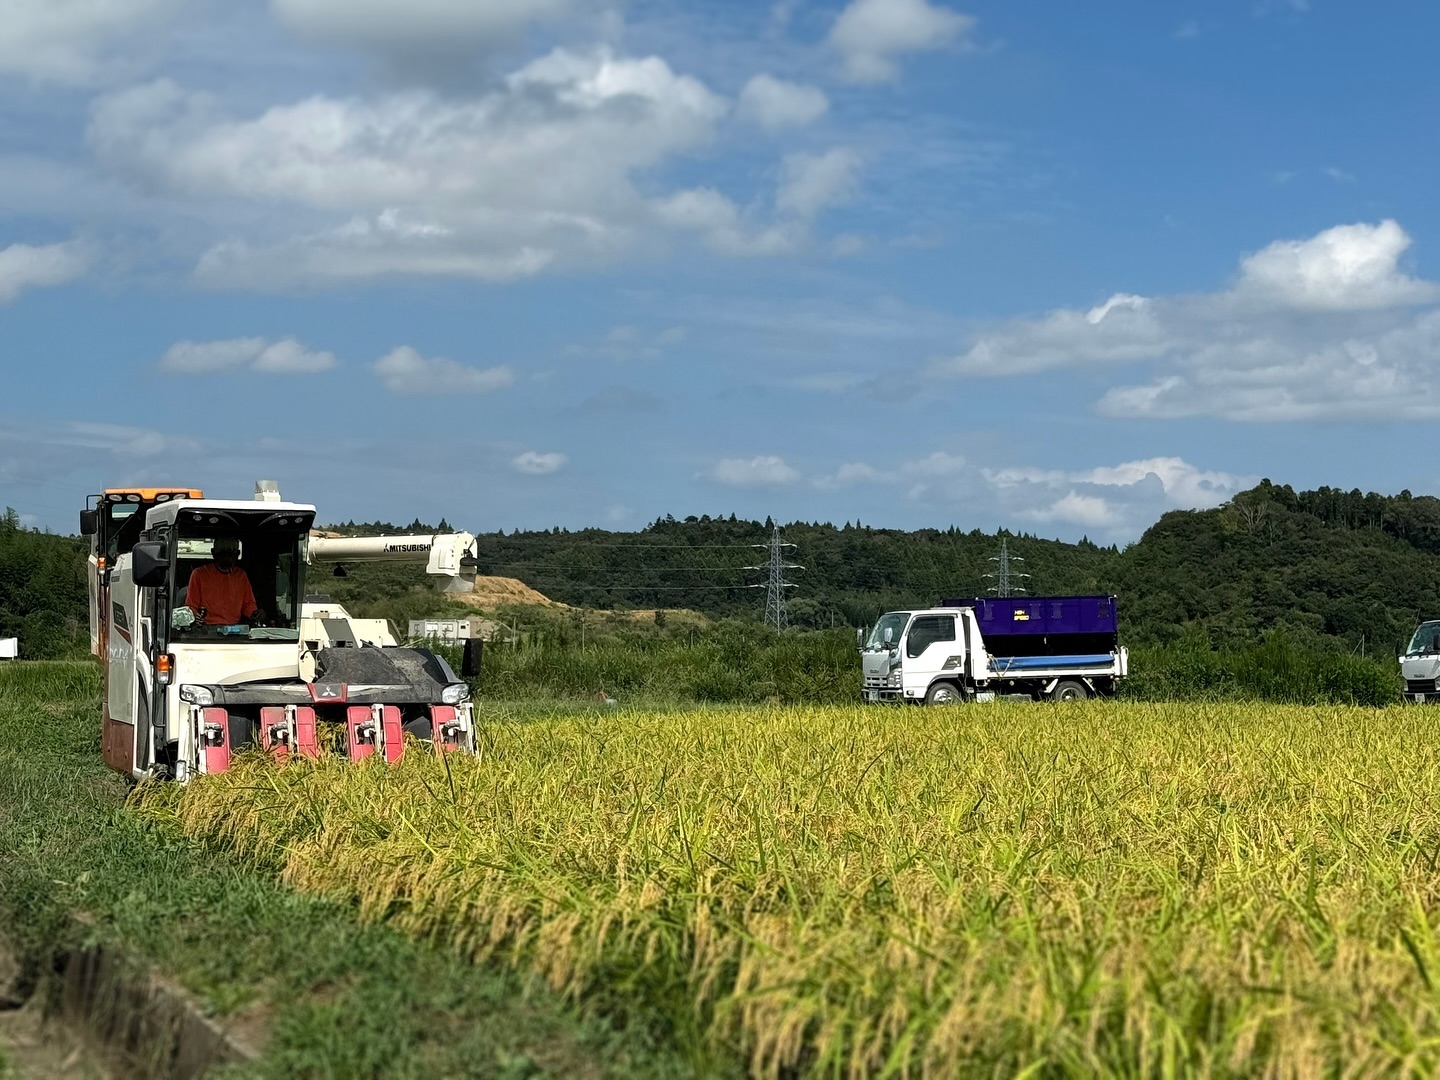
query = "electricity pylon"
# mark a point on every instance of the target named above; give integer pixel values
(775, 614)
(1007, 580)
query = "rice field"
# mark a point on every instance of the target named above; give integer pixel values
(1126, 889)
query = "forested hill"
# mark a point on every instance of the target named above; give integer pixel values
(1357, 569)
(42, 591)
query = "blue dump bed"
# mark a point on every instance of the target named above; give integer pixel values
(1048, 626)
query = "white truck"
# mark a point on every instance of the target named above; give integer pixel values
(1059, 648)
(181, 693)
(1420, 666)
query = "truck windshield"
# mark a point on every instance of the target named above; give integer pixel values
(1426, 639)
(237, 588)
(895, 622)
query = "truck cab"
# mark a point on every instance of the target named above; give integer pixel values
(1420, 664)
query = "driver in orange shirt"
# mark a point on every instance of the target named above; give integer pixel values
(219, 592)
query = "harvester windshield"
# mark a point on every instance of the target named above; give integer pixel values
(271, 562)
(1426, 639)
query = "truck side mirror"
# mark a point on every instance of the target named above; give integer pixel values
(859, 637)
(889, 634)
(149, 563)
(89, 522)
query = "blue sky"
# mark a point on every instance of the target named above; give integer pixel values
(1053, 267)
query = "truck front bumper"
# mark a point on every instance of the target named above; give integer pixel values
(872, 695)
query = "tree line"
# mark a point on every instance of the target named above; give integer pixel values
(1333, 569)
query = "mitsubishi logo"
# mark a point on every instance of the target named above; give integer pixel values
(328, 692)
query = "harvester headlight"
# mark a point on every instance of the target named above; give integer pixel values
(455, 694)
(197, 695)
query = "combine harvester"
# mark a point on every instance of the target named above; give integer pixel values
(184, 691)
(1058, 648)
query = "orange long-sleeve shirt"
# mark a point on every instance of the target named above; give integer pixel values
(226, 598)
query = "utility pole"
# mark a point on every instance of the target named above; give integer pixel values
(776, 584)
(1007, 580)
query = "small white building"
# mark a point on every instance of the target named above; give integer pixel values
(472, 628)
(9, 648)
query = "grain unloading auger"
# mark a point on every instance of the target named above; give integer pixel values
(243, 662)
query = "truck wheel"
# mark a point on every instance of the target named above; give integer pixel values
(1069, 690)
(944, 693)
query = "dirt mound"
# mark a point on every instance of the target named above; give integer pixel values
(493, 592)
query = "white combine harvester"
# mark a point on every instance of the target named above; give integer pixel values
(183, 693)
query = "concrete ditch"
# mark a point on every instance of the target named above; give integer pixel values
(92, 1012)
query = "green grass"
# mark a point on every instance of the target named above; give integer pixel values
(746, 664)
(345, 1000)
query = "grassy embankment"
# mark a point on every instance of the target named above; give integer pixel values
(1110, 888)
(746, 663)
(342, 1000)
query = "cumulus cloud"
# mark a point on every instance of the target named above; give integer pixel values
(1347, 268)
(420, 26)
(1111, 501)
(536, 172)
(536, 464)
(761, 471)
(1329, 326)
(23, 266)
(811, 182)
(284, 357)
(405, 371)
(74, 42)
(871, 34)
(775, 104)
(723, 226)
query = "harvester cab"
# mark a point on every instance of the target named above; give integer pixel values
(208, 648)
(113, 520)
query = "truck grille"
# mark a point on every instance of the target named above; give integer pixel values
(1420, 686)
(882, 682)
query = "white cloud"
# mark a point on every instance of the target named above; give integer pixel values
(761, 471)
(25, 267)
(74, 42)
(1346, 268)
(775, 104)
(870, 34)
(1330, 326)
(1124, 329)
(420, 26)
(1380, 373)
(534, 173)
(811, 182)
(405, 371)
(535, 464)
(849, 474)
(1090, 511)
(284, 357)
(1112, 502)
(723, 227)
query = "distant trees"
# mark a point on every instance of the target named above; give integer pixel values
(43, 598)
